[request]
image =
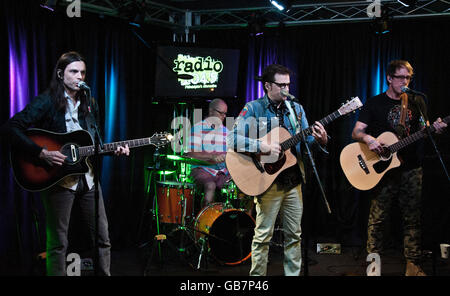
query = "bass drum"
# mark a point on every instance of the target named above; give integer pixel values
(229, 232)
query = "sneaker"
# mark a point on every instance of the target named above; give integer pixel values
(414, 270)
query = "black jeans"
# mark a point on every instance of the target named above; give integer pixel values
(58, 203)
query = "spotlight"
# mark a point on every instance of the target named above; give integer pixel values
(381, 26)
(256, 25)
(49, 4)
(138, 14)
(282, 5)
(408, 3)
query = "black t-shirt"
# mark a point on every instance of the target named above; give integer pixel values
(382, 114)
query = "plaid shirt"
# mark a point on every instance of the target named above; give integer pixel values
(209, 135)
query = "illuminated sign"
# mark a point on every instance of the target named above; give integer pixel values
(205, 71)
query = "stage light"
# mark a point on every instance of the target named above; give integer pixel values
(256, 25)
(282, 5)
(138, 14)
(381, 26)
(49, 4)
(408, 3)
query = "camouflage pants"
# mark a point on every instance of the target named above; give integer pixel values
(406, 186)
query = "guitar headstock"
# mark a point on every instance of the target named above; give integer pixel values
(161, 139)
(348, 107)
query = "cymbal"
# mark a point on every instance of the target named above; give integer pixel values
(188, 160)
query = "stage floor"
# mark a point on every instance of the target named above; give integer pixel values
(351, 262)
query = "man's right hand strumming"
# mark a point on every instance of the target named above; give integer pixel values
(52, 157)
(270, 149)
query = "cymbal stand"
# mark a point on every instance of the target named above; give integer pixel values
(181, 248)
(231, 194)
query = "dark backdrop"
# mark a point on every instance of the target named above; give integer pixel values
(332, 64)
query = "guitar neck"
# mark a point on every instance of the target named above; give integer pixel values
(308, 131)
(409, 140)
(414, 137)
(110, 147)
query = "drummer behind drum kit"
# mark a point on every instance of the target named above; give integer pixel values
(222, 230)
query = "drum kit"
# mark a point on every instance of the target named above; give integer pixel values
(221, 230)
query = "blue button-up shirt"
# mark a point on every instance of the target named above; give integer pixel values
(256, 119)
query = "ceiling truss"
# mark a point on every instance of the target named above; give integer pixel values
(319, 13)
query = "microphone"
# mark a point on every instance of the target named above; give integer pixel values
(410, 91)
(419, 102)
(286, 94)
(83, 85)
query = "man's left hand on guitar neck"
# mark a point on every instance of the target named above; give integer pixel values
(122, 150)
(319, 133)
(439, 125)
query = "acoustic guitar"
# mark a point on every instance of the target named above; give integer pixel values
(364, 168)
(34, 174)
(254, 173)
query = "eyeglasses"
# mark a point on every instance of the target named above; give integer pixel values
(221, 113)
(281, 85)
(401, 77)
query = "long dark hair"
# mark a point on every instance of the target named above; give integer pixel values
(56, 88)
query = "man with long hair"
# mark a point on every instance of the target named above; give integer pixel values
(63, 108)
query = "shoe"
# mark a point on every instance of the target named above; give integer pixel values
(414, 270)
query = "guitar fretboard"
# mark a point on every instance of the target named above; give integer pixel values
(414, 137)
(90, 150)
(308, 131)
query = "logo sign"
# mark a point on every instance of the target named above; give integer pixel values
(74, 8)
(205, 71)
(374, 8)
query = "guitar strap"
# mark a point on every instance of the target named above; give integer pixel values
(297, 128)
(90, 121)
(401, 127)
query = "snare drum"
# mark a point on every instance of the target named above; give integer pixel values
(229, 232)
(175, 201)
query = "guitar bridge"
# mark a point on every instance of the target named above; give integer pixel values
(362, 164)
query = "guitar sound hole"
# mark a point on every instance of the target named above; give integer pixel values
(71, 151)
(385, 154)
(381, 166)
(272, 168)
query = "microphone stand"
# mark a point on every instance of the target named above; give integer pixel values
(97, 145)
(427, 128)
(311, 159)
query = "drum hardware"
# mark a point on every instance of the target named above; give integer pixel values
(220, 231)
(172, 206)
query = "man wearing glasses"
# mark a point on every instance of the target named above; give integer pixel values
(284, 195)
(380, 114)
(208, 143)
